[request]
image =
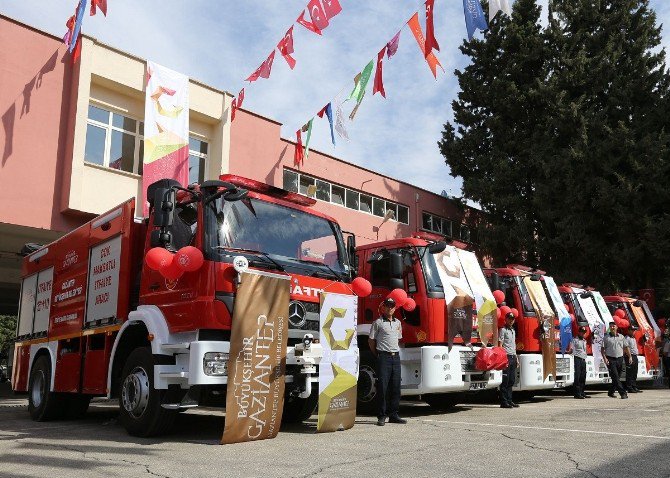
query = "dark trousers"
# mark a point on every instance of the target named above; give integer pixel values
(508, 379)
(631, 373)
(615, 369)
(580, 376)
(388, 384)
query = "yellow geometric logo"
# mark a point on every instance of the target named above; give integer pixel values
(343, 344)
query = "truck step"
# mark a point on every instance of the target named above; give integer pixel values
(174, 375)
(178, 406)
(177, 347)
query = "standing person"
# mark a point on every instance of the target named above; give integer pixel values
(385, 333)
(577, 348)
(631, 366)
(665, 353)
(507, 340)
(613, 350)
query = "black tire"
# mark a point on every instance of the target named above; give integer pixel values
(76, 405)
(366, 396)
(142, 414)
(442, 402)
(43, 405)
(297, 410)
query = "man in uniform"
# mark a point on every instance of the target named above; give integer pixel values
(613, 350)
(507, 340)
(578, 350)
(385, 333)
(631, 366)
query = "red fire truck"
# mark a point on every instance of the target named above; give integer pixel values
(582, 304)
(529, 347)
(645, 335)
(428, 368)
(95, 320)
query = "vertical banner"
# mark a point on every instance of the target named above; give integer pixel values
(546, 318)
(457, 294)
(166, 111)
(487, 321)
(257, 363)
(564, 319)
(597, 326)
(338, 370)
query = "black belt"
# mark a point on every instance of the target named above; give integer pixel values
(387, 353)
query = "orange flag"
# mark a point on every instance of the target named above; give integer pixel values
(432, 60)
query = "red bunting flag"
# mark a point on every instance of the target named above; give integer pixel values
(432, 60)
(322, 111)
(285, 47)
(240, 98)
(298, 155)
(332, 8)
(379, 81)
(233, 109)
(99, 3)
(392, 46)
(318, 15)
(307, 24)
(431, 42)
(264, 70)
(76, 53)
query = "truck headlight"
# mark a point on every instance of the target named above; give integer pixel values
(215, 363)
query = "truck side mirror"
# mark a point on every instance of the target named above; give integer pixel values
(535, 277)
(494, 280)
(164, 200)
(396, 265)
(586, 295)
(351, 250)
(437, 247)
(637, 303)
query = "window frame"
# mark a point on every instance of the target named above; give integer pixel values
(203, 156)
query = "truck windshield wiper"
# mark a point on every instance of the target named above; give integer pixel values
(269, 260)
(307, 261)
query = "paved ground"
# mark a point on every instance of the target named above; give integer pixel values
(553, 436)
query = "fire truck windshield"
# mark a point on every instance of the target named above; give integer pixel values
(274, 234)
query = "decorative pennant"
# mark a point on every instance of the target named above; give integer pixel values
(392, 46)
(474, 17)
(240, 98)
(81, 8)
(99, 3)
(317, 14)
(298, 155)
(233, 109)
(308, 129)
(360, 82)
(67, 39)
(432, 60)
(307, 24)
(378, 85)
(339, 123)
(355, 110)
(285, 47)
(496, 6)
(328, 110)
(264, 70)
(332, 8)
(431, 41)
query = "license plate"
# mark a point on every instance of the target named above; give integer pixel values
(477, 386)
(559, 385)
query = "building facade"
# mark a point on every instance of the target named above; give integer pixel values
(72, 146)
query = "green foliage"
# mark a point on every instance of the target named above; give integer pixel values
(7, 332)
(561, 135)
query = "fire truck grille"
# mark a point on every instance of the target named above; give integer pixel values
(468, 361)
(303, 315)
(562, 365)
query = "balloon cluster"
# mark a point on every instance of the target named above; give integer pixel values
(172, 266)
(620, 320)
(503, 310)
(401, 300)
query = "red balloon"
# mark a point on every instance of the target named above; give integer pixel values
(171, 271)
(499, 296)
(361, 287)
(515, 312)
(409, 305)
(661, 322)
(504, 310)
(620, 313)
(156, 257)
(399, 295)
(189, 259)
(498, 313)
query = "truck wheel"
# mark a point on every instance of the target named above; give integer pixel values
(43, 405)
(442, 402)
(297, 410)
(366, 398)
(77, 406)
(140, 410)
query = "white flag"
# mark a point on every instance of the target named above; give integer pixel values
(339, 124)
(497, 5)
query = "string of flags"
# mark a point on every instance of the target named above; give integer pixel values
(72, 38)
(428, 45)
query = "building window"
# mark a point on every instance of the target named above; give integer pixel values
(197, 160)
(324, 191)
(114, 140)
(437, 224)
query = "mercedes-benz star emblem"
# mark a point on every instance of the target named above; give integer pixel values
(296, 314)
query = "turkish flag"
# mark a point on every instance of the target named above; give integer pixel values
(317, 13)
(99, 3)
(233, 109)
(332, 8)
(285, 47)
(307, 24)
(431, 42)
(379, 81)
(298, 155)
(240, 98)
(264, 70)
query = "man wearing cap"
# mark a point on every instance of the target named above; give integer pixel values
(385, 333)
(578, 350)
(507, 340)
(613, 350)
(631, 366)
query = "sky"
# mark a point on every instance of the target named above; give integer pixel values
(222, 42)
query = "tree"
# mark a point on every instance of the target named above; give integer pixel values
(7, 333)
